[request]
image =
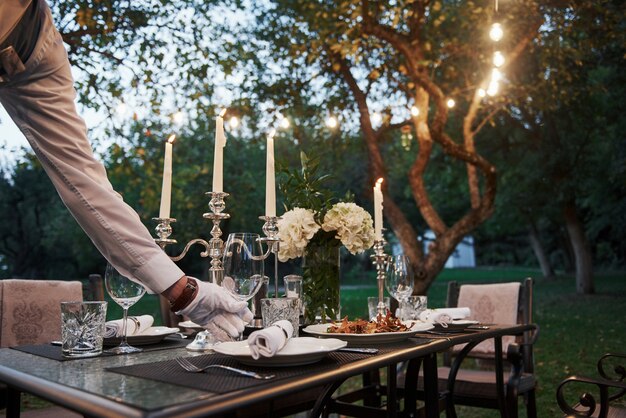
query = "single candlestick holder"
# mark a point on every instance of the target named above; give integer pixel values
(380, 260)
(270, 229)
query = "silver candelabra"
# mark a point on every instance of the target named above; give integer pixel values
(215, 249)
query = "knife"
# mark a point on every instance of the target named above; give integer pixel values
(359, 350)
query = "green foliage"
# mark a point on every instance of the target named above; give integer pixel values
(305, 188)
(40, 240)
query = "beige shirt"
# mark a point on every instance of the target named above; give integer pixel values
(10, 13)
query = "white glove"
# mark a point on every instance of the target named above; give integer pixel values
(216, 305)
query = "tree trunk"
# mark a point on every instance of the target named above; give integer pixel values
(582, 250)
(535, 243)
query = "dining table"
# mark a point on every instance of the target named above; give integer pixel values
(151, 384)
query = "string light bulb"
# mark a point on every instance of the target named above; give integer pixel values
(496, 75)
(332, 122)
(451, 103)
(493, 88)
(498, 59)
(496, 33)
(415, 111)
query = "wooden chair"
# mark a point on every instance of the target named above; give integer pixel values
(477, 387)
(608, 388)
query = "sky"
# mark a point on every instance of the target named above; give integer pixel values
(10, 135)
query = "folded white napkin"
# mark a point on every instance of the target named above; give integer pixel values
(136, 325)
(444, 315)
(267, 342)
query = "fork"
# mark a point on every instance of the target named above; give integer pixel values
(190, 367)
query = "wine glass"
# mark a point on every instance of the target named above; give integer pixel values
(125, 293)
(243, 265)
(399, 281)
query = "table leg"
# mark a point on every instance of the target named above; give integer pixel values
(410, 387)
(392, 391)
(13, 403)
(431, 386)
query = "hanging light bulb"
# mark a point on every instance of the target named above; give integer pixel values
(233, 122)
(493, 88)
(332, 122)
(498, 59)
(496, 32)
(496, 75)
(415, 111)
(450, 103)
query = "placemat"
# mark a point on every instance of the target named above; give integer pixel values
(223, 381)
(54, 351)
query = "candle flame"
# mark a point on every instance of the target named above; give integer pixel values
(171, 139)
(379, 182)
(272, 133)
(222, 112)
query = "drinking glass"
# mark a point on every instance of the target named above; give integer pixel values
(125, 293)
(243, 265)
(399, 281)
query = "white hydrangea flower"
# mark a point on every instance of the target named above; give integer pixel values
(295, 230)
(353, 224)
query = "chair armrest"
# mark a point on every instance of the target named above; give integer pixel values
(617, 360)
(587, 400)
(534, 335)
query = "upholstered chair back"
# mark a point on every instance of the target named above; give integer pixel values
(30, 310)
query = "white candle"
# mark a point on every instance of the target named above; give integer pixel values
(378, 210)
(218, 155)
(270, 181)
(166, 189)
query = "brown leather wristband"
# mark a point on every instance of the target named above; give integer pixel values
(189, 292)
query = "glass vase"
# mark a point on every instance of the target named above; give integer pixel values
(320, 282)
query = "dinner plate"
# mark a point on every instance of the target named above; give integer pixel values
(151, 335)
(297, 352)
(321, 330)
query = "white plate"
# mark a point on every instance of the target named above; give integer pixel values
(321, 330)
(151, 335)
(298, 351)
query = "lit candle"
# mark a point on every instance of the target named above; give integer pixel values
(378, 210)
(218, 155)
(166, 189)
(270, 181)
